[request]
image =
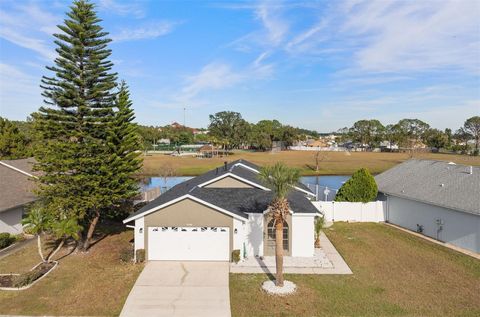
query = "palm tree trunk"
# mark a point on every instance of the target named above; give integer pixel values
(60, 245)
(39, 245)
(279, 251)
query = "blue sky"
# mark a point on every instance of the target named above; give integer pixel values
(317, 64)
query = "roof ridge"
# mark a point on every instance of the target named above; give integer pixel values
(16, 169)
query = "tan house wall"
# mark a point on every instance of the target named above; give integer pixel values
(228, 182)
(187, 213)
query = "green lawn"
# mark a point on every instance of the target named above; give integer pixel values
(94, 283)
(394, 273)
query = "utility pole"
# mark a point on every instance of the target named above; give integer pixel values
(184, 109)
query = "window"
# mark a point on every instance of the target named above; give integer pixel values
(271, 234)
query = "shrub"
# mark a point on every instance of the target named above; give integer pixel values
(361, 187)
(6, 239)
(140, 255)
(126, 255)
(26, 278)
(31, 276)
(236, 256)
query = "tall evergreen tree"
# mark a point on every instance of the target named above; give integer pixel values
(125, 144)
(74, 125)
(13, 144)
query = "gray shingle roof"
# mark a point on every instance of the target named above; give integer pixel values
(434, 182)
(16, 188)
(236, 200)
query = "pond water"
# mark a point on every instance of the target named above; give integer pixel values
(330, 181)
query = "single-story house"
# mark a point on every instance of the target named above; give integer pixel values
(438, 199)
(16, 192)
(208, 217)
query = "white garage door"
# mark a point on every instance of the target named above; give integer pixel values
(189, 243)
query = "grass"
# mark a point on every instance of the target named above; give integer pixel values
(94, 283)
(336, 163)
(394, 274)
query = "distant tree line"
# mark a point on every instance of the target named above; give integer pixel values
(229, 129)
(409, 133)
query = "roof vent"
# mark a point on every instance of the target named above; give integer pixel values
(442, 185)
(225, 165)
(470, 170)
(451, 163)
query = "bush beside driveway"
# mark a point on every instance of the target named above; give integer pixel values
(394, 273)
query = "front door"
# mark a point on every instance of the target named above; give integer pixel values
(269, 240)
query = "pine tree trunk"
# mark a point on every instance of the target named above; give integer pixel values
(60, 245)
(39, 245)
(91, 230)
(279, 251)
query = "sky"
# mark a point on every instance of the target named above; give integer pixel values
(319, 65)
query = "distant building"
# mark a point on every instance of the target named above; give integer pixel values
(164, 141)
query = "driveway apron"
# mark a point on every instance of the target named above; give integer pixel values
(171, 288)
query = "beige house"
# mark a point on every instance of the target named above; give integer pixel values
(208, 217)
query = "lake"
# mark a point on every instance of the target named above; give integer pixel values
(330, 181)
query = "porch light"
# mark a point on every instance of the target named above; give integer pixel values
(140, 230)
(235, 231)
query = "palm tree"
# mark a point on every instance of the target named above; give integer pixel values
(62, 230)
(280, 179)
(37, 222)
(319, 223)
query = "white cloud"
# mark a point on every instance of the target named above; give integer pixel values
(274, 27)
(149, 30)
(374, 36)
(415, 35)
(35, 44)
(18, 88)
(27, 26)
(217, 75)
(122, 8)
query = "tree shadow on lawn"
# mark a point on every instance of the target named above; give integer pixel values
(104, 229)
(107, 228)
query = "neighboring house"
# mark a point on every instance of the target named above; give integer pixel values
(438, 199)
(209, 216)
(16, 192)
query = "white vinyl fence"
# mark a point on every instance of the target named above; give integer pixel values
(358, 212)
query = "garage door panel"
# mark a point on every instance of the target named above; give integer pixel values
(189, 243)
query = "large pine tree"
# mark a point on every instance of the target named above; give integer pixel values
(75, 124)
(124, 142)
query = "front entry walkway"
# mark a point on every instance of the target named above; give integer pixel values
(326, 260)
(171, 288)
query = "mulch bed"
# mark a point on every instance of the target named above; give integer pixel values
(24, 279)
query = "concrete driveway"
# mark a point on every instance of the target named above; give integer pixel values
(170, 288)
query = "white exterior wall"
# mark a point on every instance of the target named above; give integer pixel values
(239, 236)
(254, 235)
(10, 220)
(460, 229)
(303, 236)
(139, 236)
(374, 211)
